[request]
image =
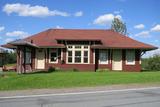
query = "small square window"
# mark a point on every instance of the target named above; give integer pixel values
(85, 47)
(85, 60)
(70, 59)
(70, 47)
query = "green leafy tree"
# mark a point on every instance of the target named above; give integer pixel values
(10, 57)
(118, 26)
(152, 63)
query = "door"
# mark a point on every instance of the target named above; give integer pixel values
(40, 55)
(117, 60)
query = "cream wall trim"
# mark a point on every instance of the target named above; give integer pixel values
(82, 49)
(61, 54)
(93, 56)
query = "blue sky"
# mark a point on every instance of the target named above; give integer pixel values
(19, 18)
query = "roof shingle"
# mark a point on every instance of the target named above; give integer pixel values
(109, 38)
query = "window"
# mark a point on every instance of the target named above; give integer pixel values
(69, 46)
(103, 56)
(28, 56)
(70, 56)
(130, 57)
(78, 54)
(85, 58)
(53, 56)
(85, 47)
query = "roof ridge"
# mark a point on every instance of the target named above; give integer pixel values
(83, 29)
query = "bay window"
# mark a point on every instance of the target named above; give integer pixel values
(78, 54)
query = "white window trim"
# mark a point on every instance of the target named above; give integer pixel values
(93, 56)
(130, 63)
(82, 49)
(99, 57)
(53, 62)
(61, 54)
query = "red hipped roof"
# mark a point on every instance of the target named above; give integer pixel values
(109, 38)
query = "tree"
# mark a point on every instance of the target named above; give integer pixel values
(152, 63)
(118, 26)
(10, 57)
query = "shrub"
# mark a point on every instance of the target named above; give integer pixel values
(51, 69)
(152, 63)
(57, 69)
(102, 70)
(75, 70)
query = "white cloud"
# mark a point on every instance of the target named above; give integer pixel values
(2, 28)
(156, 28)
(78, 14)
(28, 10)
(20, 34)
(143, 34)
(151, 53)
(105, 19)
(59, 27)
(118, 11)
(139, 26)
(9, 40)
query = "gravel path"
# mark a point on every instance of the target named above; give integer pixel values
(69, 90)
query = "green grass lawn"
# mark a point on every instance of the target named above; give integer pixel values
(13, 81)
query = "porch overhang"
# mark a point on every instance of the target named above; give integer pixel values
(23, 43)
(125, 47)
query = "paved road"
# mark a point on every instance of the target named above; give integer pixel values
(127, 98)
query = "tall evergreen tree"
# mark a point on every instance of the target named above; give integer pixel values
(118, 26)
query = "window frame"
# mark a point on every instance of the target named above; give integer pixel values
(130, 63)
(82, 49)
(28, 54)
(106, 52)
(50, 51)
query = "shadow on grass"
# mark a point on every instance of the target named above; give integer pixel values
(145, 70)
(39, 72)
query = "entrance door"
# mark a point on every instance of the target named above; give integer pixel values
(117, 60)
(40, 55)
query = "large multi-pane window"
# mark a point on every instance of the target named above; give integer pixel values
(78, 54)
(130, 57)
